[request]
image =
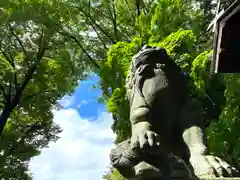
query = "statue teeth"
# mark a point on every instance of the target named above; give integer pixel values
(158, 65)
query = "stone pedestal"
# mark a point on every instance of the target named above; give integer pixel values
(153, 164)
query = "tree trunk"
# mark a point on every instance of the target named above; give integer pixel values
(15, 101)
(4, 116)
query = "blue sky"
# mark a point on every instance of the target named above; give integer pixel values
(82, 152)
(84, 99)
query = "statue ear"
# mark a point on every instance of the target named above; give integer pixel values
(145, 47)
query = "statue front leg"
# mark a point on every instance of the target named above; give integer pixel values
(152, 163)
(204, 165)
(124, 159)
(141, 123)
(131, 164)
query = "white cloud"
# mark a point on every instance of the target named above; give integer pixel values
(67, 101)
(82, 152)
(89, 33)
(84, 102)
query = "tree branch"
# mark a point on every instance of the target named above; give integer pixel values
(28, 77)
(114, 20)
(4, 93)
(89, 18)
(72, 37)
(81, 46)
(11, 61)
(102, 30)
(91, 24)
(15, 73)
(84, 50)
(19, 41)
(99, 36)
(15, 144)
(134, 18)
(138, 7)
(89, 6)
(13, 103)
(10, 90)
(145, 9)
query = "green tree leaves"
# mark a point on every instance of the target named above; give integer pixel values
(39, 64)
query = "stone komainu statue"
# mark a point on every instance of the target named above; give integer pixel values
(168, 138)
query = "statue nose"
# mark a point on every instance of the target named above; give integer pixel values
(162, 52)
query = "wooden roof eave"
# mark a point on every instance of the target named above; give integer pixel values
(220, 23)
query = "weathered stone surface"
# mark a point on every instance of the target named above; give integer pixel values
(168, 137)
(152, 163)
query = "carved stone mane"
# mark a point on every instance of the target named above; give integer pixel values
(130, 80)
(138, 67)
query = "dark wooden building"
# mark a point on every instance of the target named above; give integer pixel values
(226, 45)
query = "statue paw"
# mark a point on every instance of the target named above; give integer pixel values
(142, 136)
(146, 170)
(206, 166)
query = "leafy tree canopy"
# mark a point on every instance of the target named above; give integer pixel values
(39, 64)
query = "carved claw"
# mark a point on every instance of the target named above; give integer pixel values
(142, 136)
(211, 167)
(146, 170)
